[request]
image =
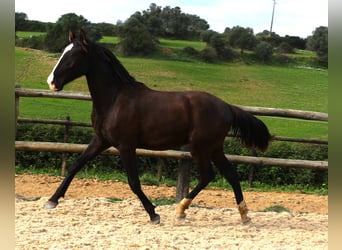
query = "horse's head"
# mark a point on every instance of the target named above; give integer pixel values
(72, 64)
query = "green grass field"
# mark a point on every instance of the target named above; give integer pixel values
(302, 88)
(24, 34)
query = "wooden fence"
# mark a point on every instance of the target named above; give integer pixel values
(251, 160)
(261, 161)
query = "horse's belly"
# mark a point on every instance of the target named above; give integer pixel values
(163, 138)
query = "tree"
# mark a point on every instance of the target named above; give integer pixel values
(20, 21)
(172, 22)
(23, 24)
(242, 38)
(135, 37)
(222, 47)
(295, 41)
(264, 51)
(107, 29)
(207, 35)
(271, 37)
(57, 34)
(318, 42)
(219, 42)
(154, 20)
(286, 48)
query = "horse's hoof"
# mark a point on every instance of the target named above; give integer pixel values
(155, 220)
(51, 205)
(181, 216)
(246, 220)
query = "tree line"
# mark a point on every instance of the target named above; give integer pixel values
(139, 35)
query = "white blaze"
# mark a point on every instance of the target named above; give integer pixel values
(51, 76)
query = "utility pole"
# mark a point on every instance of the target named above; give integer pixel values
(274, 2)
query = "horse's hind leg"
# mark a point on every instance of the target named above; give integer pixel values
(229, 172)
(95, 147)
(206, 174)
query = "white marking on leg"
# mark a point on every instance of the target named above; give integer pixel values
(243, 212)
(51, 76)
(184, 204)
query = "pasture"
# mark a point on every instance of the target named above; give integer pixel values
(297, 87)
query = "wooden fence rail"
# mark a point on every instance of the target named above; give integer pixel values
(261, 161)
(290, 113)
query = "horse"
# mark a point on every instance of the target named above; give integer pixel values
(127, 114)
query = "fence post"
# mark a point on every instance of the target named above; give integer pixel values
(160, 165)
(66, 138)
(251, 170)
(16, 108)
(183, 176)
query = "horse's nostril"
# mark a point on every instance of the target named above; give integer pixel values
(52, 85)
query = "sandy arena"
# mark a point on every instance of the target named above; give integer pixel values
(86, 219)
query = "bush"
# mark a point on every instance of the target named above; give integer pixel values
(285, 48)
(282, 175)
(283, 59)
(264, 51)
(139, 43)
(34, 42)
(208, 54)
(190, 51)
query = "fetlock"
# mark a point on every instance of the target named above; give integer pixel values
(243, 212)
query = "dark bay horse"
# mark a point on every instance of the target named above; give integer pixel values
(128, 115)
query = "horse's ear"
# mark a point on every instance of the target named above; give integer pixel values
(71, 36)
(83, 37)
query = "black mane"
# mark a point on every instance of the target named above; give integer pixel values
(119, 70)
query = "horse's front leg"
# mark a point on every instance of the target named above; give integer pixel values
(95, 147)
(128, 157)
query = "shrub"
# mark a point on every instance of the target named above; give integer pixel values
(285, 48)
(190, 51)
(283, 59)
(139, 43)
(285, 176)
(208, 54)
(264, 51)
(34, 42)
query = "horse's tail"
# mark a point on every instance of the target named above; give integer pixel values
(252, 131)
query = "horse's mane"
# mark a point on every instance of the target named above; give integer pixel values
(119, 70)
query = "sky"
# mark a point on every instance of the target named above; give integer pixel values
(291, 17)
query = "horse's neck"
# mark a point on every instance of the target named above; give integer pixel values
(103, 90)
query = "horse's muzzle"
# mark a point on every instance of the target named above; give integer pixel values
(52, 86)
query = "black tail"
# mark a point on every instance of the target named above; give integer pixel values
(252, 131)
